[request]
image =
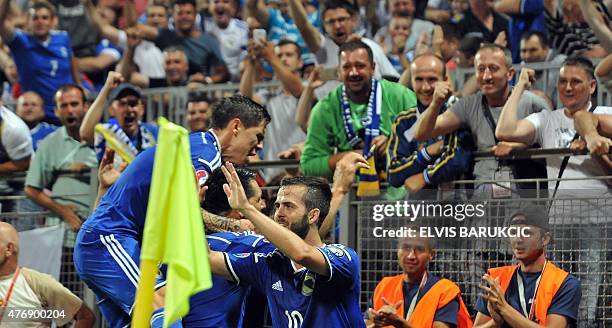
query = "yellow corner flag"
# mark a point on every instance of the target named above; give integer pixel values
(174, 232)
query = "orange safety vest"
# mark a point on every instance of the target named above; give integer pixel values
(551, 281)
(439, 295)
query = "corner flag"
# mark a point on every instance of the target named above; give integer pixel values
(173, 232)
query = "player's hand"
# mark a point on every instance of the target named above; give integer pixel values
(68, 214)
(107, 173)
(236, 196)
(345, 171)
(501, 149)
(527, 78)
(113, 80)
(599, 145)
(442, 92)
(244, 225)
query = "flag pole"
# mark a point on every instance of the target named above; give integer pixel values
(144, 294)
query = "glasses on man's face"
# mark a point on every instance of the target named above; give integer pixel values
(130, 103)
(340, 20)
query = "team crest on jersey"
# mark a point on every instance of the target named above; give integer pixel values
(336, 250)
(202, 176)
(308, 284)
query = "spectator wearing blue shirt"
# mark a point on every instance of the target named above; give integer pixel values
(307, 283)
(43, 56)
(525, 16)
(30, 110)
(281, 25)
(125, 126)
(534, 289)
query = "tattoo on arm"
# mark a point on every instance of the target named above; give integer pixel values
(218, 223)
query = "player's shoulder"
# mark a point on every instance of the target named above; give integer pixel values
(341, 251)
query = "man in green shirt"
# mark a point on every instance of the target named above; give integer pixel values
(357, 115)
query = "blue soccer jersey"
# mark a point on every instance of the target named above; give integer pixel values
(122, 210)
(223, 303)
(40, 131)
(205, 154)
(43, 66)
(299, 297)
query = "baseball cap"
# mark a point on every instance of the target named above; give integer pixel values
(124, 89)
(531, 214)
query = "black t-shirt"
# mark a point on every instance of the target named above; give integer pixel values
(73, 19)
(472, 26)
(203, 51)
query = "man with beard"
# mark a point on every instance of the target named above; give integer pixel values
(416, 164)
(533, 293)
(307, 283)
(202, 49)
(356, 115)
(126, 111)
(107, 249)
(62, 150)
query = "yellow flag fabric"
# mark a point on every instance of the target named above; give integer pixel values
(174, 232)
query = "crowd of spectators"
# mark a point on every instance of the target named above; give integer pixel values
(371, 79)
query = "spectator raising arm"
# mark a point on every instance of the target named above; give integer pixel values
(258, 9)
(248, 76)
(509, 128)
(291, 82)
(127, 67)
(305, 103)
(311, 35)
(107, 30)
(96, 110)
(7, 29)
(430, 124)
(596, 22)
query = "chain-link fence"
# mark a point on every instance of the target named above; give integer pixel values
(468, 234)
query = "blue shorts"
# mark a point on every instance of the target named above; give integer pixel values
(109, 265)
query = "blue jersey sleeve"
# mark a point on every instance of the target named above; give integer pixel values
(205, 156)
(343, 265)
(249, 268)
(20, 42)
(455, 159)
(567, 299)
(448, 314)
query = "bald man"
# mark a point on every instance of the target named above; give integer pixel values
(25, 283)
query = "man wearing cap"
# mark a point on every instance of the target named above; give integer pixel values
(417, 298)
(125, 127)
(534, 292)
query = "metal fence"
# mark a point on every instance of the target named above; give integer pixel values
(581, 227)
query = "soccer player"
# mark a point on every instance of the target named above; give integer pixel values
(222, 305)
(417, 297)
(107, 248)
(306, 282)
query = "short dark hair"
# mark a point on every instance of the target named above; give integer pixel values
(493, 46)
(581, 62)
(339, 4)
(71, 86)
(158, 3)
(285, 42)
(317, 195)
(184, 2)
(451, 31)
(354, 45)
(248, 111)
(42, 4)
(198, 96)
(216, 200)
(541, 37)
